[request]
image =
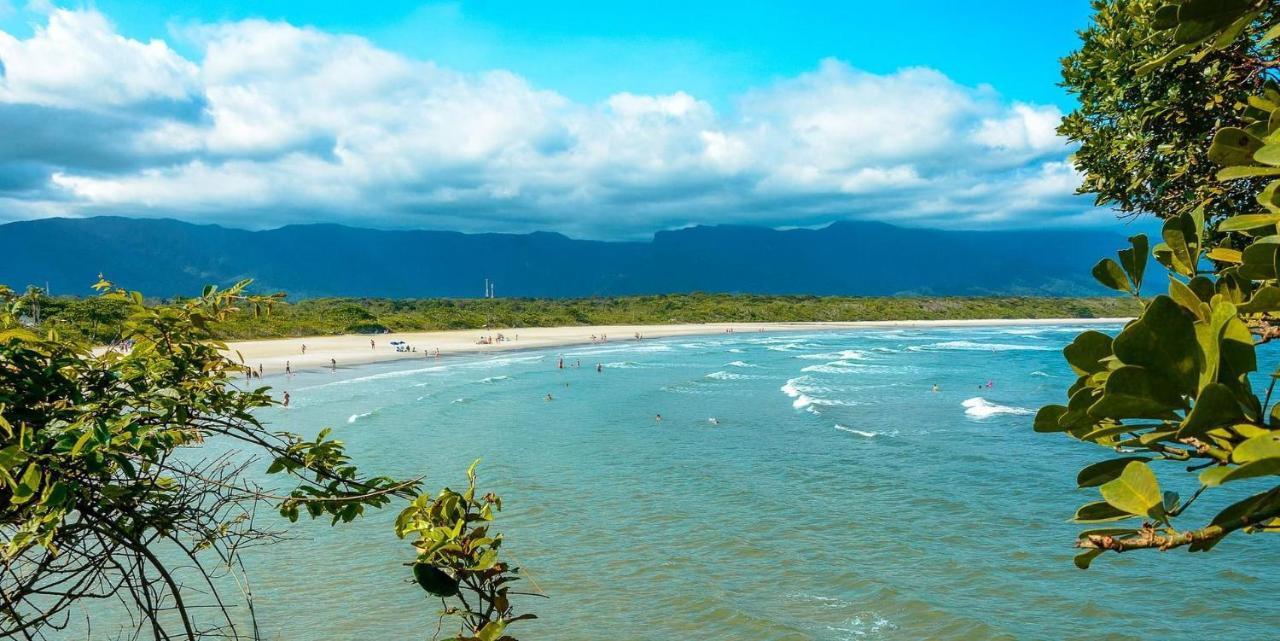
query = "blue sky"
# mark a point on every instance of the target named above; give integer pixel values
(596, 119)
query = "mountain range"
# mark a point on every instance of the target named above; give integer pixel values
(164, 257)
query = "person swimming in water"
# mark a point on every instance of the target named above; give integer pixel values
(657, 419)
(549, 398)
(936, 388)
(713, 420)
(599, 368)
(286, 399)
(288, 370)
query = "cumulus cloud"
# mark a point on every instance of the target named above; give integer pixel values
(276, 124)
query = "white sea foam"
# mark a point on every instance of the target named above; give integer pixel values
(494, 379)
(971, 346)
(740, 364)
(978, 407)
(355, 417)
(1039, 373)
(378, 377)
(735, 350)
(727, 376)
(834, 367)
(620, 348)
(865, 433)
(846, 355)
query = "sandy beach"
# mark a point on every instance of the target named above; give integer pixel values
(354, 349)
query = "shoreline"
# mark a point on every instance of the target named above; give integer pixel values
(348, 350)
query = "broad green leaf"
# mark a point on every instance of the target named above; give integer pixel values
(1245, 222)
(1225, 255)
(1100, 512)
(1266, 299)
(1216, 476)
(1134, 259)
(1268, 155)
(1235, 173)
(1135, 491)
(1104, 471)
(1047, 419)
(1183, 295)
(1259, 447)
(1136, 392)
(1214, 407)
(1163, 340)
(1109, 273)
(1232, 146)
(1085, 352)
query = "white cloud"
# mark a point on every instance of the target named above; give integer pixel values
(276, 123)
(77, 60)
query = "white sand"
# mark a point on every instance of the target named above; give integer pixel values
(354, 349)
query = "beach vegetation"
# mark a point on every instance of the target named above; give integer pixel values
(130, 473)
(1180, 119)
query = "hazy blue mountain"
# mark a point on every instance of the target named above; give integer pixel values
(167, 257)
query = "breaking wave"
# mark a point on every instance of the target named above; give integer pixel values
(978, 407)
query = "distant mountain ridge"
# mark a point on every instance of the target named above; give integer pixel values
(168, 257)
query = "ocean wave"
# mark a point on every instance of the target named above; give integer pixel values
(459, 400)
(377, 377)
(355, 417)
(632, 347)
(834, 367)
(1040, 373)
(495, 379)
(845, 355)
(740, 364)
(971, 346)
(726, 376)
(978, 407)
(735, 350)
(865, 433)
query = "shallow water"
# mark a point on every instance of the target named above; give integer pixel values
(836, 498)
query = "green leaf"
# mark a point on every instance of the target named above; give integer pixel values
(1136, 392)
(1087, 350)
(1233, 146)
(1257, 448)
(1109, 273)
(1268, 155)
(1163, 340)
(1216, 476)
(1099, 512)
(1245, 222)
(1134, 259)
(1083, 559)
(27, 484)
(491, 631)
(1104, 471)
(1135, 491)
(1215, 407)
(1047, 419)
(1235, 173)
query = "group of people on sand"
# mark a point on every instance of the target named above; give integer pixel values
(603, 338)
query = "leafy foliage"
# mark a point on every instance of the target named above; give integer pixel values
(1146, 110)
(1173, 386)
(96, 500)
(457, 556)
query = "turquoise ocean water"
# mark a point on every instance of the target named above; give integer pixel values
(837, 498)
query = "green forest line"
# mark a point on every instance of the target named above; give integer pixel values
(99, 318)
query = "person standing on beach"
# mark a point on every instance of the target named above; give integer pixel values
(288, 371)
(304, 349)
(333, 364)
(259, 370)
(371, 344)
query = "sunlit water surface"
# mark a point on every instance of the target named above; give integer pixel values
(838, 497)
